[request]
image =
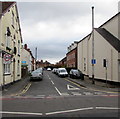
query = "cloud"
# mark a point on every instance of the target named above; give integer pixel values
(52, 26)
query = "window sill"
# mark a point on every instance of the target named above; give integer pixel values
(5, 74)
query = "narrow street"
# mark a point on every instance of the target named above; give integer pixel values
(58, 97)
(71, 47)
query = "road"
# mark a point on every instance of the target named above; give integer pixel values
(59, 97)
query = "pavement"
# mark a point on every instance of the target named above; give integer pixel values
(15, 87)
(98, 84)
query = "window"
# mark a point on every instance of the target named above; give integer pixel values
(12, 19)
(16, 24)
(8, 37)
(84, 64)
(18, 47)
(6, 68)
(7, 41)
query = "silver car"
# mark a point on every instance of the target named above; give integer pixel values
(37, 74)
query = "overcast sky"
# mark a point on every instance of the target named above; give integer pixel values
(53, 26)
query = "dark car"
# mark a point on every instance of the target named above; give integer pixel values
(37, 74)
(75, 73)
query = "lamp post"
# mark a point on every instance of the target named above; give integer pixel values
(36, 56)
(93, 81)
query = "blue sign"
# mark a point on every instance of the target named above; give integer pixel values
(23, 62)
(93, 61)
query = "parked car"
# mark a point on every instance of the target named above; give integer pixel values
(37, 74)
(54, 70)
(62, 72)
(48, 69)
(75, 73)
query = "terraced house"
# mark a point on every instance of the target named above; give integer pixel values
(106, 52)
(10, 43)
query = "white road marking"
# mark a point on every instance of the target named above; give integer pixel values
(58, 112)
(69, 87)
(52, 82)
(87, 93)
(65, 94)
(74, 110)
(116, 108)
(41, 95)
(48, 76)
(98, 93)
(26, 113)
(76, 93)
(58, 91)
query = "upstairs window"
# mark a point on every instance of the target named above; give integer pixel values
(18, 47)
(8, 38)
(13, 22)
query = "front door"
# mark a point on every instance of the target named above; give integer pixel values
(13, 70)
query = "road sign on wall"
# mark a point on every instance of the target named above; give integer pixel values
(93, 61)
(7, 58)
(23, 62)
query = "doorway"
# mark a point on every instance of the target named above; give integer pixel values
(14, 70)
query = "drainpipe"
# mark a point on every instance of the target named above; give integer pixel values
(93, 81)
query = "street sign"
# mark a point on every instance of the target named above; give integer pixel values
(23, 62)
(93, 61)
(7, 58)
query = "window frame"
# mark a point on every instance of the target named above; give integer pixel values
(18, 68)
(8, 38)
(12, 19)
(18, 47)
(7, 69)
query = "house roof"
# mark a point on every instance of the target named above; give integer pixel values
(100, 26)
(115, 42)
(71, 50)
(85, 38)
(110, 19)
(5, 6)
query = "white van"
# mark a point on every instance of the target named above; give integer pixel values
(62, 72)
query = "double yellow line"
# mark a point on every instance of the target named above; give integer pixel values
(25, 89)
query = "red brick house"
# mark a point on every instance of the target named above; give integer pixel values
(62, 63)
(71, 56)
